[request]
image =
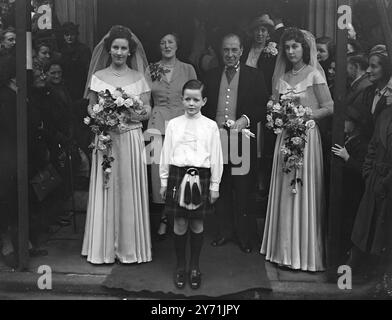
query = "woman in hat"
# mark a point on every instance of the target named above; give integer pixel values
(352, 154)
(371, 233)
(75, 60)
(261, 53)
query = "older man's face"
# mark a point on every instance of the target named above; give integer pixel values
(231, 51)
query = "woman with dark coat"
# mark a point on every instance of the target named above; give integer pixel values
(261, 53)
(373, 224)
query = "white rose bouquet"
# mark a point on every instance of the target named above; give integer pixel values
(112, 112)
(289, 115)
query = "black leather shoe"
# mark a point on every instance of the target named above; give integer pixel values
(245, 248)
(220, 242)
(195, 279)
(179, 279)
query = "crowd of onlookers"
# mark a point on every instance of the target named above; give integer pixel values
(57, 139)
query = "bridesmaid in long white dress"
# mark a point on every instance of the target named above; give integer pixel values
(294, 228)
(117, 224)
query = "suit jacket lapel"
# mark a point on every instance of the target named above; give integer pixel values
(216, 87)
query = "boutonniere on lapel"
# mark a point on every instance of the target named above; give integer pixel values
(157, 71)
(228, 124)
(270, 50)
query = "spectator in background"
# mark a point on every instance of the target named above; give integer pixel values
(7, 41)
(357, 77)
(372, 228)
(8, 170)
(352, 154)
(41, 56)
(326, 55)
(377, 97)
(75, 58)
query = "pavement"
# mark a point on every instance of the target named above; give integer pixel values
(73, 278)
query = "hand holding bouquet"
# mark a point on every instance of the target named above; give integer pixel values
(114, 111)
(289, 115)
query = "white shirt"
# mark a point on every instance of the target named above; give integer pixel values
(192, 141)
(253, 57)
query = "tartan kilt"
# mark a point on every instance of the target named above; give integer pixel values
(176, 174)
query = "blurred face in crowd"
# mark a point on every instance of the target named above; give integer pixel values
(375, 69)
(231, 51)
(39, 79)
(260, 35)
(322, 52)
(119, 51)
(9, 40)
(43, 53)
(168, 46)
(55, 74)
(193, 101)
(331, 71)
(352, 71)
(349, 126)
(69, 38)
(294, 51)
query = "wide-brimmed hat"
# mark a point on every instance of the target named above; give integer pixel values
(70, 28)
(263, 20)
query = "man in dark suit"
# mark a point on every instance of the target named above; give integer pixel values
(238, 93)
(356, 73)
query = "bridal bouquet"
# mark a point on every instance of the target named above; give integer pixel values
(112, 112)
(289, 115)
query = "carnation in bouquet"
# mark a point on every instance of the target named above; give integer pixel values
(111, 113)
(295, 120)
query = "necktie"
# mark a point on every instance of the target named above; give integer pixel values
(230, 72)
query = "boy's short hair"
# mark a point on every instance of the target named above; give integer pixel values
(195, 85)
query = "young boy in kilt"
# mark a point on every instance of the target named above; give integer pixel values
(191, 167)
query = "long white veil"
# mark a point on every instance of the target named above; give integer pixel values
(280, 66)
(100, 59)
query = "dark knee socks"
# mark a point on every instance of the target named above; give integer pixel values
(179, 246)
(196, 244)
